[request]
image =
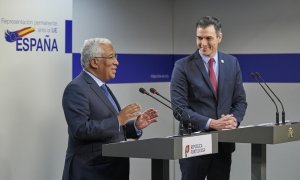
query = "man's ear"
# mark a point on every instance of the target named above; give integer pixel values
(220, 36)
(93, 63)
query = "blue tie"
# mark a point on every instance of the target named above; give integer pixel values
(108, 95)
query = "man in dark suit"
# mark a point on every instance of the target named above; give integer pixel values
(208, 86)
(94, 117)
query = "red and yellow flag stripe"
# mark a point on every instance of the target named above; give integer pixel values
(23, 32)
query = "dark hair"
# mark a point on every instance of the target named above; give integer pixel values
(209, 20)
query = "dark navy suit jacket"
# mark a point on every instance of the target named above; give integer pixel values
(192, 90)
(92, 121)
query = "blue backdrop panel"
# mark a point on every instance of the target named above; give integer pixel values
(280, 68)
(68, 35)
(138, 68)
(135, 68)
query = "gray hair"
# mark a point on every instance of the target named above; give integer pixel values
(209, 20)
(91, 48)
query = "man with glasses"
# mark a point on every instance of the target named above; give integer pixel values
(94, 117)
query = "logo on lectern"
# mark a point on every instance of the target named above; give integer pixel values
(187, 150)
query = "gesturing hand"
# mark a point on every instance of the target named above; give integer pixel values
(146, 118)
(129, 112)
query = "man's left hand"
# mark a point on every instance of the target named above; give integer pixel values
(146, 118)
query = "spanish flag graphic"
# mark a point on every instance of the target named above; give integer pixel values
(12, 36)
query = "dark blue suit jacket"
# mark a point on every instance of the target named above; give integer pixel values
(192, 90)
(92, 121)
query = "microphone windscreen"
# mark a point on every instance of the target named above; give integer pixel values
(152, 90)
(143, 91)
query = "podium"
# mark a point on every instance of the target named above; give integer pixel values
(259, 137)
(161, 150)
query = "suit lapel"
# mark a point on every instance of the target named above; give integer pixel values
(200, 64)
(99, 92)
(222, 73)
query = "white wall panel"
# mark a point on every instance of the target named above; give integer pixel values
(33, 132)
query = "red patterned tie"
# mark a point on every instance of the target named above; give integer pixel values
(212, 75)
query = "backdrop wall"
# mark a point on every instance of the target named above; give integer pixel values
(149, 36)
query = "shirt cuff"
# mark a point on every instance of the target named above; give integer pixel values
(208, 123)
(138, 131)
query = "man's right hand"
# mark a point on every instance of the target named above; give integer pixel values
(129, 112)
(225, 122)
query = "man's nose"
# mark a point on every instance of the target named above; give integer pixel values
(116, 62)
(203, 42)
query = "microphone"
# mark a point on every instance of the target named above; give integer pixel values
(154, 91)
(282, 112)
(254, 76)
(143, 91)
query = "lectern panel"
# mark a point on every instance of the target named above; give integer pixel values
(170, 148)
(264, 134)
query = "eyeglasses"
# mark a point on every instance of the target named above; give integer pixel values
(115, 56)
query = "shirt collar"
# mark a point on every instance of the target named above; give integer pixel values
(98, 81)
(206, 58)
